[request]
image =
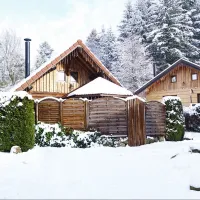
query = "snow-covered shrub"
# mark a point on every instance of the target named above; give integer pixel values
(84, 139)
(89, 139)
(192, 118)
(174, 119)
(150, 140)
(54, 135)
(17, 120)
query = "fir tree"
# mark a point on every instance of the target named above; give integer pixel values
(195, 17)
(108, 48)
(126, 23)
(135, 68)
(93, 42)
(172, 39)
(44, 54)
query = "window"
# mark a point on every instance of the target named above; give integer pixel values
(173, 79)
(74, 77)
(194, 77)
(60, 76)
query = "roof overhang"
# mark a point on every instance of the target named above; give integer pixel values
(50, 65)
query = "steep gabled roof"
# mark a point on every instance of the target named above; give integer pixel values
(164, 72)
(50, 64)
(100, 86)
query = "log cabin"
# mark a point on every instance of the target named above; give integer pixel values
(70, 70)
(181, 79)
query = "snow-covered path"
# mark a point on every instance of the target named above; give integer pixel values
(138, 172)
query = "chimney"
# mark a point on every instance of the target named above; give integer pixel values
(27, 57)
(154, 69)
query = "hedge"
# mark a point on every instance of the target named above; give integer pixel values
(17, 120)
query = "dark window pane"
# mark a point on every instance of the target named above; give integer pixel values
(74, 77)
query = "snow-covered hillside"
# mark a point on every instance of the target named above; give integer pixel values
(139, 172)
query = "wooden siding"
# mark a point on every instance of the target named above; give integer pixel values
(108, 115)
(49, 83)
(182, 88)
(155, 118)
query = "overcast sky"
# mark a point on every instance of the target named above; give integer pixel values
(59, 22)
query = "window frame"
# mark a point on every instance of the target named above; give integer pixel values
(174, 76)
(58, 76)
(192, 76)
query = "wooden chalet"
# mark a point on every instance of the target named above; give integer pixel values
(70, 70)
(180, 79)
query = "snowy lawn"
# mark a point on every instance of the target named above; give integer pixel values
(139, 172)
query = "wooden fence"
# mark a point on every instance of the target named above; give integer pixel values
(155, 119)
(108, 115)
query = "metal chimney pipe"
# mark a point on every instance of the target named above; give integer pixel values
(27, 57)
(154, 69)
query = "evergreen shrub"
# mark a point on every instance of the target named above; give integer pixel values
(55, 135)
(17, 120)
(174, 119)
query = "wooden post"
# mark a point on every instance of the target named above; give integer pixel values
(129, 122)
(144, 122)
(61, 112)
(86, 115)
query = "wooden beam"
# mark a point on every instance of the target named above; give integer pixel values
(86, 64)
(88, 60)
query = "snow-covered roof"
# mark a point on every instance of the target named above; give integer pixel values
(23, 84)
(164, 72)
(100, 86)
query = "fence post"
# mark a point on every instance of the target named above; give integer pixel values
(86, 114)
(61, 112)
(131, 122)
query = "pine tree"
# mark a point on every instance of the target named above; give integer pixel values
(149, 10)
(135, 68)
(109, 50)
(126, 23)
(93, 42)
(175, 33)
(195, 17)
(44, 54)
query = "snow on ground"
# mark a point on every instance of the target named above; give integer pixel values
(192, 135)
(120, 173)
